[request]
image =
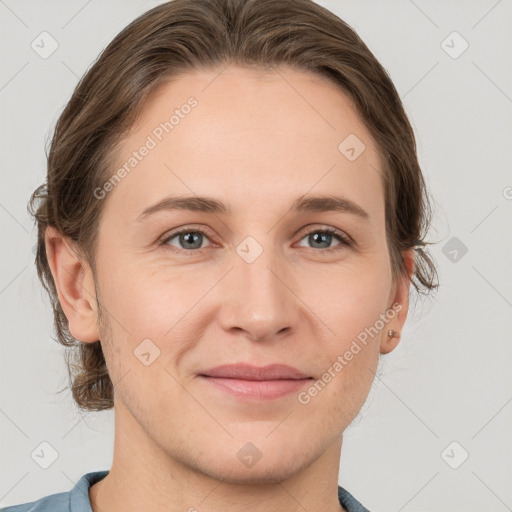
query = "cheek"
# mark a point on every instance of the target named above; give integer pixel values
(348, 300)
(146, 303)
(153, 320)
(352, 306)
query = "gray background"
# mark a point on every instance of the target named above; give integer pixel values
(449, 380)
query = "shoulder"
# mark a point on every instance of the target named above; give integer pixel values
(348, 502)
(54, 503)
(76, 500)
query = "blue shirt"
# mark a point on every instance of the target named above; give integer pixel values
(77, 500)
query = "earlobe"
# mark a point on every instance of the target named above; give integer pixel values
(390, 341)
(399, 305)
(75, 286)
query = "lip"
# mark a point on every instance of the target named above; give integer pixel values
(246, 381)
(247, 371)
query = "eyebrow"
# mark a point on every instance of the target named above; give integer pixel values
(304, 203)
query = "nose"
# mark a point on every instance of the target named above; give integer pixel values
(258, 299)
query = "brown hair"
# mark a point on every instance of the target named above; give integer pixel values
(182, 35)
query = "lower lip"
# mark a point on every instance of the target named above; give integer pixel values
(257, 389)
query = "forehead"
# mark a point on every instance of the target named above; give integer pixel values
(247, 134)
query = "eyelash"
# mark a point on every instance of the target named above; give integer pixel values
(342, 237)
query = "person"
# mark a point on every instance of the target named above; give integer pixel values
(233, 216)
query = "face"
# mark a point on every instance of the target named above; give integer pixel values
(249, 277)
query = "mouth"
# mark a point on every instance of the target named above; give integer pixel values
(249, 382)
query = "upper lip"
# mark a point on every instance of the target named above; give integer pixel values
(250, 372)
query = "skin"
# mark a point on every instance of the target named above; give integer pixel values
(272, 138)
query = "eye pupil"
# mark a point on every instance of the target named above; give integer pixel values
(189, 238)
(318, 235)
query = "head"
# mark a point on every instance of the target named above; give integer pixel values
(259, 107)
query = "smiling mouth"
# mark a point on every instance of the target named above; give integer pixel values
(246, 381)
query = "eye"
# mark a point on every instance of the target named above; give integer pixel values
(188, 239)
(324, 236)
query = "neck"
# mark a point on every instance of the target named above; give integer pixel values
(144, 477)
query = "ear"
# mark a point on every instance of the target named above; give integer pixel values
(398, 301)
(75, 285)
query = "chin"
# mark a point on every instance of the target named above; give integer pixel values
(260, 474)
(247, 463)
